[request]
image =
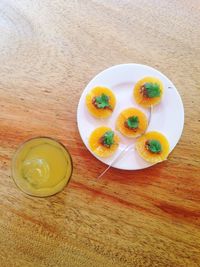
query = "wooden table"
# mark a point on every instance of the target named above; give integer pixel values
(49, 50)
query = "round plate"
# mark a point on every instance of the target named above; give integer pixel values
(167, 117)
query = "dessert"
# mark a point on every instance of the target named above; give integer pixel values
(153, 147)
(100, 102)
(148, 91)
(131, 122)
(103, 141)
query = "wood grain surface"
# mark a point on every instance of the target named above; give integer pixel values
(49, 50)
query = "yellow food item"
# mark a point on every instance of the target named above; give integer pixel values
(100, 102)
(41, 167)
(131, 122)
(148, 91)
(153, 147)
(97, 145)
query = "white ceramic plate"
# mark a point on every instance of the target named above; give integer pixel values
(167, 117)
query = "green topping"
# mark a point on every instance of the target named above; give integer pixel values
(154, 146)
(152, 90)
(102, 101)
(108, 138)
(132, 122)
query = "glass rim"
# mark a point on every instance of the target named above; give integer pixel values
(38, 137)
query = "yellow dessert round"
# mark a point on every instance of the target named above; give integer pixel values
(100, 102)
(103, 141)
(148, 91)
(41, 167)
(131, 122)
(153, 147)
